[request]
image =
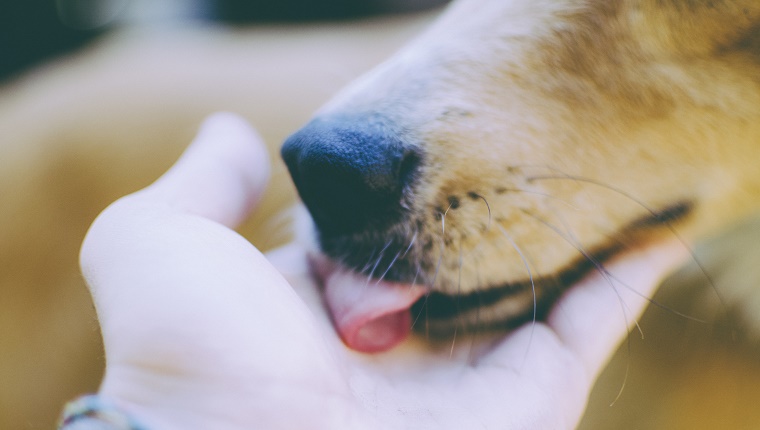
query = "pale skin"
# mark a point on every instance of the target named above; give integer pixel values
(203, 331)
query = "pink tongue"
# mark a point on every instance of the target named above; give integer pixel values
(370, 316)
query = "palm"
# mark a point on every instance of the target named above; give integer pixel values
(202, 331)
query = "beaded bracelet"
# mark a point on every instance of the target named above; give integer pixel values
(93, 412)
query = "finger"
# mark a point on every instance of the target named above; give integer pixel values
(221, 175)
(597, 314)
(564, 356)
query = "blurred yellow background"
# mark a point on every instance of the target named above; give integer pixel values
(79, 131)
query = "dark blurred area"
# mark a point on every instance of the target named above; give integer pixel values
(242, 11)
(32, 31)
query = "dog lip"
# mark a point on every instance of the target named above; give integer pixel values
(370, 315)
(548, 287)
(369, 329)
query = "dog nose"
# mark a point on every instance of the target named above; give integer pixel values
(350, 173)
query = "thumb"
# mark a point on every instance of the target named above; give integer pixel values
(221, 176)
(149, 248)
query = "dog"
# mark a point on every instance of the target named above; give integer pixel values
(516, 145)
(81, 132)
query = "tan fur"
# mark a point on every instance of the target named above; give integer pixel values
(572, 120)
(661, 116)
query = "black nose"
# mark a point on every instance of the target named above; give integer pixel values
(350, 172)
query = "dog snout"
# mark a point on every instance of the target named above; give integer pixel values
(351, 173)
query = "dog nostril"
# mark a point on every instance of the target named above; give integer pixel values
(350, 174)
(408, 167)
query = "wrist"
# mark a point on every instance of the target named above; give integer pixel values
(167, 403)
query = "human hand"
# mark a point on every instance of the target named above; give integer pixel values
(203, 331)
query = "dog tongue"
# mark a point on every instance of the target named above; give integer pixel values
(370, 316)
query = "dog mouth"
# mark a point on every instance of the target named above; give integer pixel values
(391, 261)
(375, 309)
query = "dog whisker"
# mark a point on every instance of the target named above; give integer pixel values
(390, 265)
(661, 217)
(443, 220)
(570, 239)
(547, 195)
(437, 269)
(459, 290)
(619, 237)
(488, 206)
(532, 287)
(411, 243)
(368, 265)
(378, 260)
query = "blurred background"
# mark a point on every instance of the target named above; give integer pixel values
(33, 31)
(98, 98)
